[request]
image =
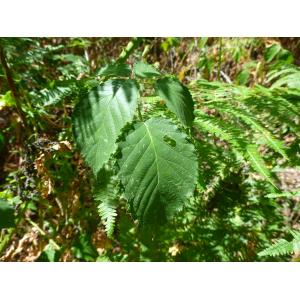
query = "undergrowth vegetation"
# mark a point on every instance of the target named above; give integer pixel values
(149, 149)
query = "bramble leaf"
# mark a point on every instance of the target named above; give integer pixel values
(99, 118)
(115, 70)
(158, 170)
(144, 70)
(178, 99)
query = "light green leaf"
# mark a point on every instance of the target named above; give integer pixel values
(271, 52)
(115, 70)
(99, 118)
(158, 170)
(242, 77)
(7, 100)
(144, 70)
(178, 99)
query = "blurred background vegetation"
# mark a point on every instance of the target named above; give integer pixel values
(48, 212)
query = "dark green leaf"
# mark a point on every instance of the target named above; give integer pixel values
(178, 99)
(115, 70)
(158, 170)
(6, 214)
(99, 118)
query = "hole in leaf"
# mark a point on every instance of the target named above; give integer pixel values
(170, 141)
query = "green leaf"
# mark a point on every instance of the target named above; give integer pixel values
(258, 163)
(99, 118)
(243, 77)
(144, 70)
(178, 99)
(7, 100)
(115, 70)
(83, 248)
(158, 170)
(6, 214)
(49, 254)
(271, 52)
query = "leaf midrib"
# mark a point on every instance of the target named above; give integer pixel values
(155, 153)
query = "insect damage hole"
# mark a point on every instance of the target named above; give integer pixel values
(170, 141)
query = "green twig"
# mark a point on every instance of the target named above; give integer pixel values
(131, 46)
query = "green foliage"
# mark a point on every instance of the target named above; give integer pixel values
(178, 99)
(241, 108)
(283, 247)
(47, 97)
(151, 188)
(258, 163)
(158, 170)
(115, 70)
(106, 193)
(99, 118)
(6, 214)
(144, 70)
(286, 75)
(83, 249)
(271, 52)
(210, 157)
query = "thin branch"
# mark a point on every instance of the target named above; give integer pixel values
(12, 85)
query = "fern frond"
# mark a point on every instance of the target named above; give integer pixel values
(105, 194)
(258, 163)
(107, 210)
(240, 144)
(222, 130)
(272, 106)
(286, 76)
(250, 120)
(53, 96)
(283, 247)
(284, 195)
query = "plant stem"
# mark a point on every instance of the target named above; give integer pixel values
(131, 46)
(140, 112)
(12, 85)
(220, 58)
